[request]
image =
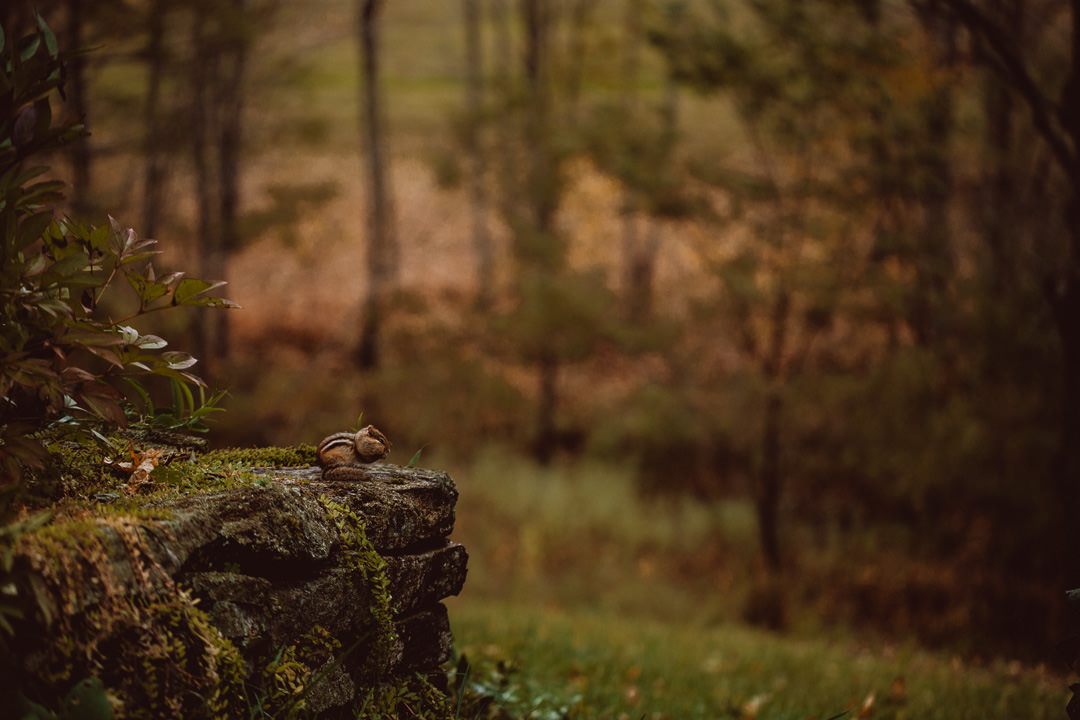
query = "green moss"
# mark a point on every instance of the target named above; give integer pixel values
(261, 457)
(156, 652)
(361, 555)
(83, 477)
(170, 661)
(406, 697)
(295, 671)
(104, 608)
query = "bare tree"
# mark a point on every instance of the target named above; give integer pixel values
(641, 233)
(153, 120)
(76, 83)
(229, 102)
(382, 250)
(543, 199)
(1055, 116)
(202, 70)
(220, 44)
(478, 197)
(934, 267)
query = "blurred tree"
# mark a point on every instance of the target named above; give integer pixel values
(76, 79)
(539, 250)
(221, 36)
(647, 177)
(154, 118)
(382, 262)
(934, 261)
(579, 19)
(1049, 91)
(904, 374)
(636, 145)
(637, 289)
(478, 196)
(807, 84)
(560, 314)
(503, 62)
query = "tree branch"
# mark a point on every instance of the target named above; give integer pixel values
(1017, 75)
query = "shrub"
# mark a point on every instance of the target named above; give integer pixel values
(68, 368)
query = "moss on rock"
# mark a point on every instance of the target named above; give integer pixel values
(129, 583)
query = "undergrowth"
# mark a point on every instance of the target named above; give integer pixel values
(518, 661)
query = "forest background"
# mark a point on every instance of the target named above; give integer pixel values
(744, 310)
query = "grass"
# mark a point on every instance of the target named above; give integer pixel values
(541, 663)
(580, 535)
(586, 600)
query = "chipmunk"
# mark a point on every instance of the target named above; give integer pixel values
(343, 454)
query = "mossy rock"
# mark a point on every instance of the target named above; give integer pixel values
(269, 590)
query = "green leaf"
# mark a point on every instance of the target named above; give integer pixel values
(89, 335)
(88, 700)
(107, 355)
(30, 49)
(416, 457)
(147, 290)
(50, 39)
(183, 400)
(32, 228)
(32, 711)
(102, 399)
(129, 334)
(212, 302)
(151, 342)
(189, 288)
(178, 360)
(129, 248)
(36, 266)
(42, 192)
(69, 265)
(89, 279)
(28, 175)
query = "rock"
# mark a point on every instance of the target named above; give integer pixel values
(280, 566)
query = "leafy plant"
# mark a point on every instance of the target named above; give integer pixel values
(71, 362)
(87, 700)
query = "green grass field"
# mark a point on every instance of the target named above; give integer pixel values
(539, 663)
(585, 600)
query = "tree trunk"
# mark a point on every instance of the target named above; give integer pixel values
(998, 186)
(770, 483)
(642, 234)
(576, 49)
(478, 200)
(76, 85)
(382, 253)
(153, 152)
(1068, 313)
(230, 107)
(503, 62)
(542, 197)
(541, 186)
(203, 68)
(546, 408)
(635, 271)
(935, 265)
(1057, 122)
(770, 478)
